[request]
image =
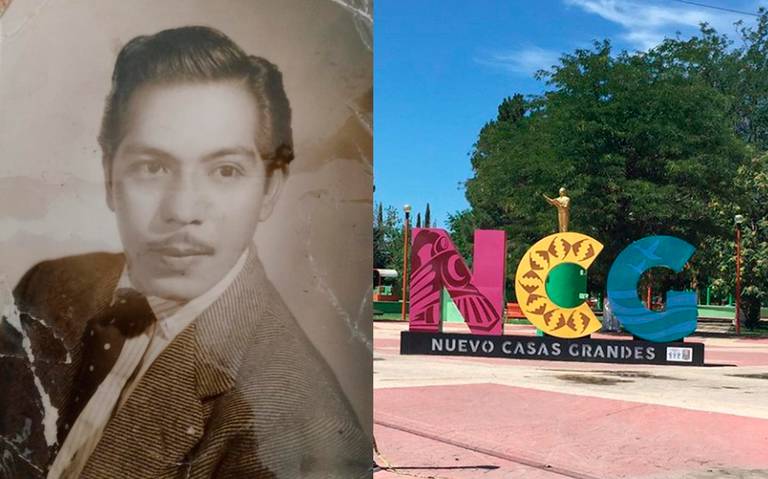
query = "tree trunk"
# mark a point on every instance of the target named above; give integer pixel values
(750, 307)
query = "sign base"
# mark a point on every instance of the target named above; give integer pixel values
(552, 348)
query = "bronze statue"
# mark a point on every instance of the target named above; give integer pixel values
(563, 205)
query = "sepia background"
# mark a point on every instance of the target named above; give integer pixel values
(56, 58)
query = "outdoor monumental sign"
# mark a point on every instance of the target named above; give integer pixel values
(548, 290)
(479, 296)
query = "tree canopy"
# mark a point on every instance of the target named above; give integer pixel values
(388, 240)
(667, 141)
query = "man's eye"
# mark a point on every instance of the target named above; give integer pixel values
(227, 171)
(153, 168)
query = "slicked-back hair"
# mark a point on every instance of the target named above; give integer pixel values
(198, 54)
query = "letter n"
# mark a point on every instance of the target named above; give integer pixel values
(478, 295)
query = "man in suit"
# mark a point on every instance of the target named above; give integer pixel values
(177, 358)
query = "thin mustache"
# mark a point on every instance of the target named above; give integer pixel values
(180, 245)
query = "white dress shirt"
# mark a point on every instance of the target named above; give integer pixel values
(137, 355)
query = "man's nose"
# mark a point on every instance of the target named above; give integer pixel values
(184, 203)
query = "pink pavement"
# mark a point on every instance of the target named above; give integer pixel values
(531, 433)
(499, 431)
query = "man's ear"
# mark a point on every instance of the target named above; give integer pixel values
(108, 186)
(273, 186)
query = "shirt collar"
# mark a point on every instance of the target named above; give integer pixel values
(170, 313)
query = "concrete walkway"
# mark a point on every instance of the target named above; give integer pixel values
(444, 417)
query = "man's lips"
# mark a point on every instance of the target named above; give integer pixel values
(181, 250)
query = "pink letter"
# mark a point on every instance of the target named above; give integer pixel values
(479, 296)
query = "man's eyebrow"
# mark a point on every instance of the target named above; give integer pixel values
(147, 150)
(232, 151)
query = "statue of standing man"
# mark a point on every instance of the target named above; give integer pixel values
(563, 205)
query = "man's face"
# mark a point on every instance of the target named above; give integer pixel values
(188, 186)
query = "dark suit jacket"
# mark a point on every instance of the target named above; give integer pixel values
(239, 393)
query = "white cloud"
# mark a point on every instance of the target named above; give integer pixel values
(647, 23)
(525, 61)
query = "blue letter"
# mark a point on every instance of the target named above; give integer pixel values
(679, 318)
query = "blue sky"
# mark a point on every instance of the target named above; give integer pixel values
(443, 66)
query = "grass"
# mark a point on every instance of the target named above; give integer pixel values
(759, 331)
(387, 316)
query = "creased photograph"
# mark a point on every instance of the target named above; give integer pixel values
(185, 230)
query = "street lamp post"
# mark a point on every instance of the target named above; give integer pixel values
(738, 220)
(648, 294)
(406, 228)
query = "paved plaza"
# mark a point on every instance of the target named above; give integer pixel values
(461, 417)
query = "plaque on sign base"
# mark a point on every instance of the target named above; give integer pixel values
(552, 348)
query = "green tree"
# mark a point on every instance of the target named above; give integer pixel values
(642, 146)
(380, 253)
(751, 182)
(512, 109)
(427, 218)
(462, 226)
(388, 241)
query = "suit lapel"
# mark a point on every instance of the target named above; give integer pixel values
(165, 415)
(159, 423)
(227, 328)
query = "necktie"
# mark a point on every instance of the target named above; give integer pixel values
(129, 315)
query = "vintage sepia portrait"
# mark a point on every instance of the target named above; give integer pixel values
(185, 230)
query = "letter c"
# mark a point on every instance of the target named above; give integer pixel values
(679, 319)
(530, 284)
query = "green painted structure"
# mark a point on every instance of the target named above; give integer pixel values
(566, 285)
(389, 307)
(450, 313)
